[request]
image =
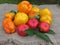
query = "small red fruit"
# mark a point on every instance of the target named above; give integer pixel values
(21, 29)
(44, 27)
(33, 23)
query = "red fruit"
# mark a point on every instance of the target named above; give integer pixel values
(21, 29)
(44, 27)
(33, 23)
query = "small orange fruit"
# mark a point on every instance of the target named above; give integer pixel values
(32, 14)
(10, 14)
(24, 6)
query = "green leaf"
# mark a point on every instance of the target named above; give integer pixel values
(43, 36)
(12, 11)
(30, 32)
(37, 29)
(51, 32)
(37, 17)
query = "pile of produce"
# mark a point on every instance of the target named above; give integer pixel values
(29, 20)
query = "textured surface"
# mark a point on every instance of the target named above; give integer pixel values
(15, 39)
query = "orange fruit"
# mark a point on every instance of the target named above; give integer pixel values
(32, 14)
(10, 14)
(24, 6)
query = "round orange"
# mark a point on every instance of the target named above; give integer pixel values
(24, 6)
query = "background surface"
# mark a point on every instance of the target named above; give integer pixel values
(32, 1)
(30, 40)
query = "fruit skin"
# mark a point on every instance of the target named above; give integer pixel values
(8, 26)
(46, 18)
(24, 6)
(10, 14)
(35, 9)
(20, 18)
(33, 23)
(21, 28)
(33, 14)
(44, 27)
(45, 11)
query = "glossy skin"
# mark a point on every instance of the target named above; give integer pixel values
(20, 18)
(36, 9)
(8, 26)
(33, 23)
(24, 6)
(21, 29)
(46, 15)
(46, 11)
(44, 27)
(10, 14)
(46, 18)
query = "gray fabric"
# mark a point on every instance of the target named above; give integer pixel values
(15, 39)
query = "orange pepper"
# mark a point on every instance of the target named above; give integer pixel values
(8, 25)
(24, 6)
(10, 14)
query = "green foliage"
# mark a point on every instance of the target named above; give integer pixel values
(10, 1)
(12, 11)
(38, 2)
(41, 35)
(30, 32)
(37, 17)
(51, 32)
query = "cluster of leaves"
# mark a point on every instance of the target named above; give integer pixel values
(38, 2)
(41, 35)
(10, 1)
